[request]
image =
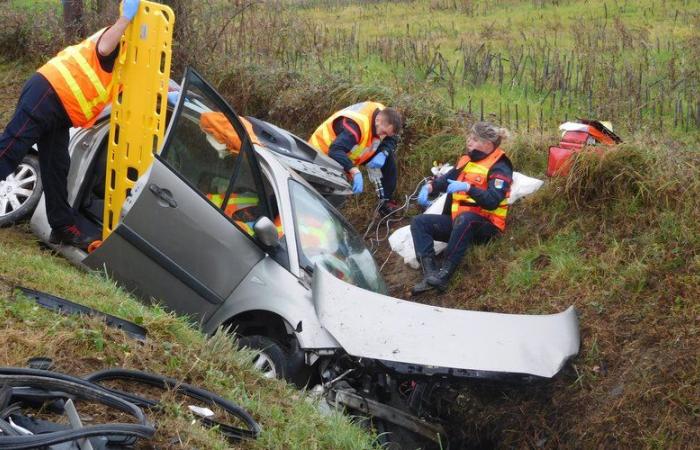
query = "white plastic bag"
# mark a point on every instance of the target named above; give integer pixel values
(522, 186)
(401, 240)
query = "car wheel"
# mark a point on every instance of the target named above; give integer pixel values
(271, 359)
(20, 192)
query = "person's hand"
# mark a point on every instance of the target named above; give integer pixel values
(377, 162)
(173, 97)
(457, 186)
(423, 196)
(130, 8)
(357, 183)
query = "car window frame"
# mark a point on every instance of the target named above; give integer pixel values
(246, 147)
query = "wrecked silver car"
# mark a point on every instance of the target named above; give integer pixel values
(234, 226)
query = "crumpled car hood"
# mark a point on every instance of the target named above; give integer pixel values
(371, 325)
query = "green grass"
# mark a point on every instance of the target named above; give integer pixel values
(174, 348)
(384, 29)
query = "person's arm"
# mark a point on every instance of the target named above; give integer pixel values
(500, 179)
(110, 38)
(341, 146)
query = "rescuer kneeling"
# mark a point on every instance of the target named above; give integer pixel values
(479, 187)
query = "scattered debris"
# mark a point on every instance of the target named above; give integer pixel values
(53, 392)
(63, 306)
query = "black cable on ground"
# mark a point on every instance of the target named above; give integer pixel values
(188, 390)
(80, 389)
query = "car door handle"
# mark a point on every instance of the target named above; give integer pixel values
(165, 197)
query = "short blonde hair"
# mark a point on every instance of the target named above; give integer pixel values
(490, 132)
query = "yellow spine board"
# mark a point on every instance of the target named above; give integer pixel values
(140, 104)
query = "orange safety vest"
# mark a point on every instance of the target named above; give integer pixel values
(362, 114)
(476, 173)
(81, 84)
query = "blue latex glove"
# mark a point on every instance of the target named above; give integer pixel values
(173, 97)
(357, 183)
(130, 8)
(378, 161)
(423, 197)
(457, 186)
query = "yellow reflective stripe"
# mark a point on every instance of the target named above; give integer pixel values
(89, 71)
(85, 106)
(356, 152)
(500, 211)
(326, 134)
(246, 228)
(475, 168)
(458, 196)
(314, 141)
(241, 200)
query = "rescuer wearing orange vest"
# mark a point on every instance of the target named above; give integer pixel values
(364, 133)
(69, 91)
(475, 211)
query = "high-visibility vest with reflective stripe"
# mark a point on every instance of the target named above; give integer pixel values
(362, 114)
(236, 202)
(476, 173)
(81, 84)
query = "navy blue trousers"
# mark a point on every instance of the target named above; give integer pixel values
(467, 229)
(389, 176)
(41, 119)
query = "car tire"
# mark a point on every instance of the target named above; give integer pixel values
(20, 192)
(271, 359)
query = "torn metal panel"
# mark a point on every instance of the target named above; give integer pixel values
(370, 325)
(396, 416)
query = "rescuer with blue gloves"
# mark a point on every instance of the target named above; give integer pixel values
(70, 90)
(364, 133)
(475, 210)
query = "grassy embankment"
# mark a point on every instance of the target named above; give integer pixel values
(618, 238)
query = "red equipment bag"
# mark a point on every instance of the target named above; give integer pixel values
(573, 141)
(559, 161)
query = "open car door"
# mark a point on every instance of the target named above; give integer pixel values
(185, 235)
(426, 340)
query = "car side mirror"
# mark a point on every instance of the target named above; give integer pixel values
(266, 232)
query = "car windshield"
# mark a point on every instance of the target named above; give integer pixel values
(325, 238)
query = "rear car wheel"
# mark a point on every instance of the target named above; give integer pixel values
(271, 359)
(20, 192)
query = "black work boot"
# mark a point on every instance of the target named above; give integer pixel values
(71, 235)
(441, 280)
(429, 269)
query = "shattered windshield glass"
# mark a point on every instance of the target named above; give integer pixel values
(326, 239)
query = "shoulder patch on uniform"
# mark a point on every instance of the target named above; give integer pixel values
(498, 183)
